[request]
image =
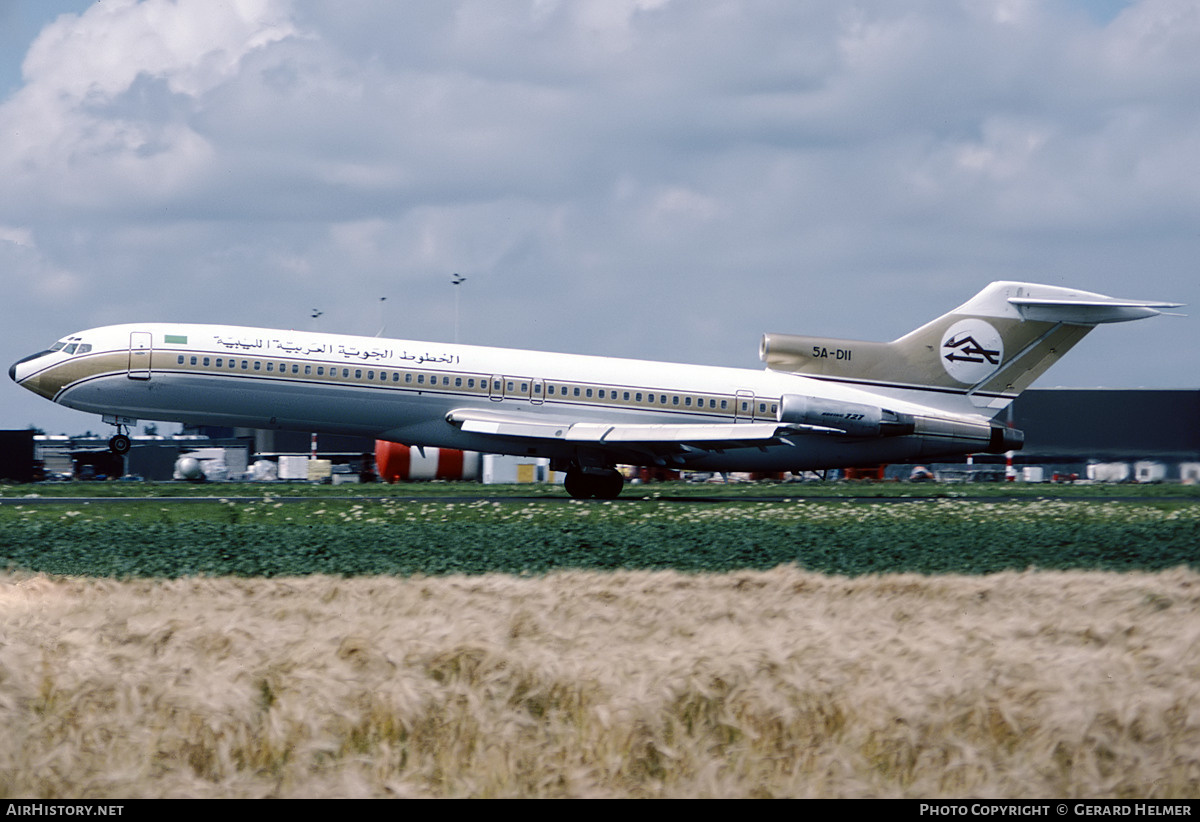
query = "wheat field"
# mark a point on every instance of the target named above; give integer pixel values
(631, 684)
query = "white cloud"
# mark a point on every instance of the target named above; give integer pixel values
(104, 114)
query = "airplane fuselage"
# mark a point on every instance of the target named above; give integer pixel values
(407, 391)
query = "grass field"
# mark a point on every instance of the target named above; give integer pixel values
(463, 532)
(809, 645)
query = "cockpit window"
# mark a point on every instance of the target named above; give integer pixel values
(71, 345)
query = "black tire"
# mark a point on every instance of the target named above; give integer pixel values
(120, 445)
(601, 485)
(608, 485)
(578, 485)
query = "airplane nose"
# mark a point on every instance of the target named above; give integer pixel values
(12, 369)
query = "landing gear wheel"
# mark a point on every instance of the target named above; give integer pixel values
(605, 484)
(577, 485)
(609, 485)
(119, 444)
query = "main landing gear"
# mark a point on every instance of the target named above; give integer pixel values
(601, 483)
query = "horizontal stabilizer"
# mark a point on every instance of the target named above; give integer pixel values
(1087, 311)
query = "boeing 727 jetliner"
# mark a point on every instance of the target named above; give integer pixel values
(820, 403)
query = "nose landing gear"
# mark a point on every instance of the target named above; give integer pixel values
(119, 443)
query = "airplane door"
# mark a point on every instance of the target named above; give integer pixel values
(496, 388)
(140, 348)
(743, 406)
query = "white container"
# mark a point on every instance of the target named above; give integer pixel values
(1108, 471)
(1149, 471)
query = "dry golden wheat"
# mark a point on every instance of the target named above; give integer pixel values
(778, 683)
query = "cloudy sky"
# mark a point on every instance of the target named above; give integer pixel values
(663, 179)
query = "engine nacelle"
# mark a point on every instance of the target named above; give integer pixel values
(943, 436)
(854, 418)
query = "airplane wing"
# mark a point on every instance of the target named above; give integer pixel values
(672, 438)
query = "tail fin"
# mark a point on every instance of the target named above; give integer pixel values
(975, 359)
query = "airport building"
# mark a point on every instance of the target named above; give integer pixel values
(1103, 434)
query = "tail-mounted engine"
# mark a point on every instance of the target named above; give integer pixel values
(937, 434)
(855, 419)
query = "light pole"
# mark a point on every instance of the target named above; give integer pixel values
(456, 280)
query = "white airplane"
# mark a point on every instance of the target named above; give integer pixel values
(820, 403)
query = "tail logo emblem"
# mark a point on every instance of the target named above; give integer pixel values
(971, 351)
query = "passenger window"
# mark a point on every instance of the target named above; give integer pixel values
(370, 374)
(308, 369)
(270, 365)
(687, 401)
(193, 360)
(257, 365)
(358, 373)
(458, 382)
(470, 382)
(180, 359)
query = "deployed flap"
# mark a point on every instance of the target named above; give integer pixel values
(711, 435)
